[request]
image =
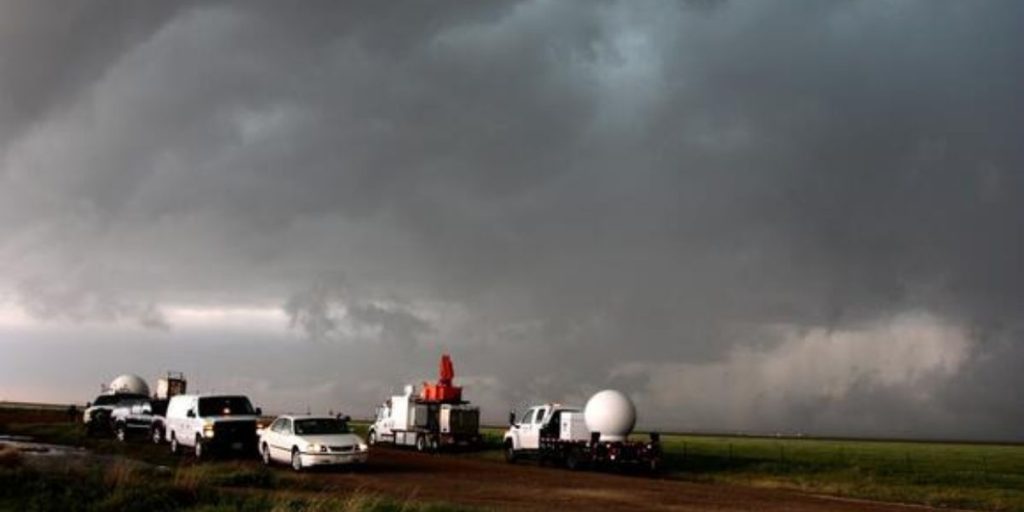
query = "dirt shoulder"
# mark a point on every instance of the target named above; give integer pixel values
(526, 486)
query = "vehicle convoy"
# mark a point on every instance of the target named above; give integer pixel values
(596, 436)
(124, 390)
(435, 418)
(310, 441)
(211, 423)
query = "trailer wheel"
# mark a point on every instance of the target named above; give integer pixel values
(510, 452)
(421, 443)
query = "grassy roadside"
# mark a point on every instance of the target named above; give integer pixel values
(946, 475)
(211, 487)
(954, 475)
(166, 482)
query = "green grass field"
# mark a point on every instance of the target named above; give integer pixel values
(951, 475)
(959, 475)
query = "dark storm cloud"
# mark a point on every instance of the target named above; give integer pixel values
(568, 195)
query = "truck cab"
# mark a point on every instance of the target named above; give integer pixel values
(541, 421)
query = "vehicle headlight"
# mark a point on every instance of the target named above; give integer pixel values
(316, 448)
(363, 447)
(208, 430)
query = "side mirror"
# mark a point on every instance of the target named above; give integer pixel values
(512, 418)
(88, 405)
(259, 411)
(191, 413)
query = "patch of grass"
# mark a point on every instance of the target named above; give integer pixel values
(964, 475)
(10, 457)
(221, 489)
(168, 482)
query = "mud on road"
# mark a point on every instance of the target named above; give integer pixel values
(497, 485)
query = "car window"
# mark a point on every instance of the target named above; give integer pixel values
(540, 415)
(319, 426)
(225, 406)
(528, 418)
(286, 426)
(276, 425)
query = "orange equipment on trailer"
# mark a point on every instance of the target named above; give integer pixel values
(443, 391)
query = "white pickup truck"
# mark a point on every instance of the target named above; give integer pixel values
(559, 434)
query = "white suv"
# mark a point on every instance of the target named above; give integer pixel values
(210, 423)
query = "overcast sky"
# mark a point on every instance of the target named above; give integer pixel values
(795, 216)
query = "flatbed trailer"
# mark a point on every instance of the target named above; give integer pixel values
(594, 453)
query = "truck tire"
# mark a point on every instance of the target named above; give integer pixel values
(121, 432)
(421, 444)
(371, 438)
(572, 460)
(510, 452)
(198, 449)
(156, 435)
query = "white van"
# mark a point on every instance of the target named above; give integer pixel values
(211, 423)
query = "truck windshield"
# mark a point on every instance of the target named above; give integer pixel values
(105, 400)
(118, 399)
(320, 426)
(225, 406)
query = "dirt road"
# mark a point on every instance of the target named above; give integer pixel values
(493, 484)
(526, 486)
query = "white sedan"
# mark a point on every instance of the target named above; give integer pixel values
(308, 441)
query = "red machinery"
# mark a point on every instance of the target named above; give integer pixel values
(443, 390)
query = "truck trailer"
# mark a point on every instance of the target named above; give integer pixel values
(430, 418)
(569, 436)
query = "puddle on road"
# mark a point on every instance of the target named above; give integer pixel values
(50, 457)
(28, 447)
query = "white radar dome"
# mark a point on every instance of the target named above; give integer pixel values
(129, 384)
(611, 413)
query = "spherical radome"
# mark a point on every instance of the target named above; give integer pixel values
(611, 413)
(129, 384)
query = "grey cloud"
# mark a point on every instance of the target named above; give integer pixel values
(549, 189)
